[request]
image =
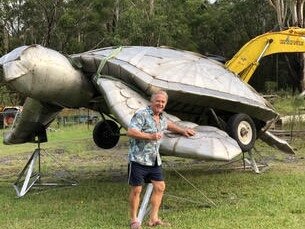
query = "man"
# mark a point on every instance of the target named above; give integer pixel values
(145, 132)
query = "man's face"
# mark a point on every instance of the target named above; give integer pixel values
(158, 103)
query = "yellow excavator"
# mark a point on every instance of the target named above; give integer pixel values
(246, 60)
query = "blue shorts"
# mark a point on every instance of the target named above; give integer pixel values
(139, 174)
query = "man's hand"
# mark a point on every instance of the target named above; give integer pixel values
(156, 136)
(188, 132)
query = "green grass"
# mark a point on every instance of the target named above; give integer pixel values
(272, 199)
(289, 105)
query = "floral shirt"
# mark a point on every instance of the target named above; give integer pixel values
(146, 152)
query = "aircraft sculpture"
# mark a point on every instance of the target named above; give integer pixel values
(209, 96)
(227, 114)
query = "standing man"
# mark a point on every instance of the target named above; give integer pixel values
(145, 132)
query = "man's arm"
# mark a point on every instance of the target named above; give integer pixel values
(187, 132)
(137, 134)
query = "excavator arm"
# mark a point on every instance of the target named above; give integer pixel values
(246, 60)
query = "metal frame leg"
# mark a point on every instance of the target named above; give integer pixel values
(29, 174)
(143, 209)
(252, 162)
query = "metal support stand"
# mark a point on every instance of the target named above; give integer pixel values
(144, 209)
(31, 175)
(251, 161)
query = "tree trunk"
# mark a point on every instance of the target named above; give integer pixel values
(290, 13)
(151, 7)
(299, 21)
(5, 40)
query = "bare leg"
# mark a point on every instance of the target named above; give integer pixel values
(156, 198)
(134, 201)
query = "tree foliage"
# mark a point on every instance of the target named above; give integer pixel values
(79, 25)
(72, 26)
(291, 13)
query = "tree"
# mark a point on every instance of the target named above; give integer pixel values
(290, 13)
(154, 23)
(222, 28)
(72, 26)
(87, 24)
(11, 23)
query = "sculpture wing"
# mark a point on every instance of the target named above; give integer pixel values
(209, 143)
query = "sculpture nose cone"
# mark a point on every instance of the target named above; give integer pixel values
(9, 69)
(13, 55)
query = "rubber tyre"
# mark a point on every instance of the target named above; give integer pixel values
(106, 134)
(242, 128)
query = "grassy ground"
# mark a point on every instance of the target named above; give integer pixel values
(289, 105)
(273, 199)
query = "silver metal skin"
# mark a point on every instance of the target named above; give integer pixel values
(189, 78)
(208, 143)
(46, 75)
(125, 83)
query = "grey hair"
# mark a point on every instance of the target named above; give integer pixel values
(160, 92)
